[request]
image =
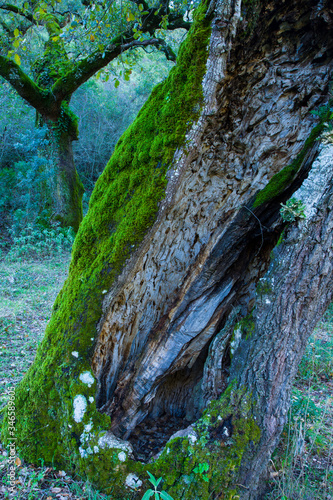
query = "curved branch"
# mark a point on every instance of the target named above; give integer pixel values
(85, 69)
(166, 49)
(39, 99)
(17, 10)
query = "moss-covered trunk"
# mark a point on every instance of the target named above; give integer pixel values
(64, 186)
(181, 224)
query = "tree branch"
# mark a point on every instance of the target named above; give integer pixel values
(41, 100)
(17, 10)
(85, 69)
(166, 49)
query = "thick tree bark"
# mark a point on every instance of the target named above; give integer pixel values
(292, 296)
(152, 328)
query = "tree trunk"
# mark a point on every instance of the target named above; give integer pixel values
(148, 328)
(64, 185)
(290, 299)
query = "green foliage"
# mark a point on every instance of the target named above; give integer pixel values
(34, 242)
(157, 494)
(317, 362)
(303, 407)
(24, 192)
(292, 210)
(201, 469)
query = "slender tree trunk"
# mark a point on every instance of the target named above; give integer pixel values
(64, 185)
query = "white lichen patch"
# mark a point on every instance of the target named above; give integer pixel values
(236, 340)
(80, 406)
(75, 354)
(122, 456)
(189, 432)
(86, 434)
(268, 301)
(193, 438)
(87, 378)
(88, 427)
(83, 452)
(109, 440)
(133, 482)
(96, 449)
(91, 399)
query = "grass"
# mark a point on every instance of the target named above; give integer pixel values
(302, 466)
(27, 292)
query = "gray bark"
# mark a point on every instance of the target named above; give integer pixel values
(208, 247)
(291, 298)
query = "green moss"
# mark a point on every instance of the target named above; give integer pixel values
(123, 207)
(67, 123)
(245, 325)
(218, 456)
(280, 181)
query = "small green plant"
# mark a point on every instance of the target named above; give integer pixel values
(201, 469)
(292, 210)
(158, 494)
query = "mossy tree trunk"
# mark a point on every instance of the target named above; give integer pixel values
(64, 188)
(152, 332)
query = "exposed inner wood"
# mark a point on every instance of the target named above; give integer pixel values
(155, 358)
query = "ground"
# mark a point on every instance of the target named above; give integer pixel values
(302, 467)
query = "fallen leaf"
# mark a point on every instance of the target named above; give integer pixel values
(18, 461)
(55, 490)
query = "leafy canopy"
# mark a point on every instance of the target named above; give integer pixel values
(57, 45)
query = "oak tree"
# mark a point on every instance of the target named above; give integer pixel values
(49, 49)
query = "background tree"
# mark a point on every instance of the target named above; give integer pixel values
(78, 40)
(103, 115)
(164, 323)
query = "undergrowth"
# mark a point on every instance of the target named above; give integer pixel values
(302, 465)
(34, 242)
